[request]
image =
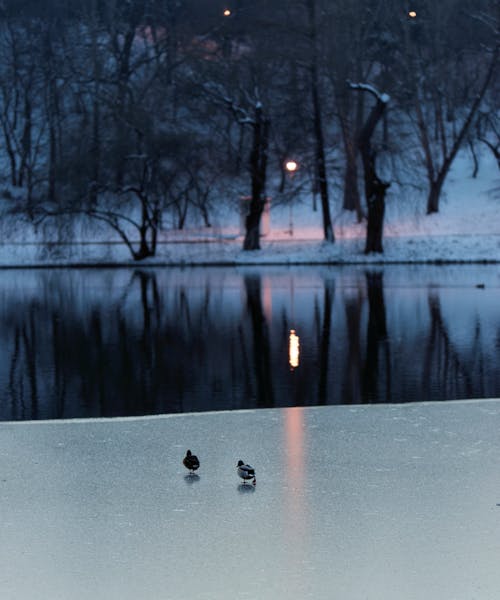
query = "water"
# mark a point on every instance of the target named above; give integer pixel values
(122, 342)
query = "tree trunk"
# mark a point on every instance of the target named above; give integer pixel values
(375, 188)
(10, 151)
(436, 182)
(51, 192)
(258, 167)
(148, 228)
(96, 112)
(434, 195)
(352, 199)
(25, 141)
(318, 129)
(123, 46)
(375, 197)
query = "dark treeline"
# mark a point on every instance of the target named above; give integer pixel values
(142, 114)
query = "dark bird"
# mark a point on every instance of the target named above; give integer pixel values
(246, 472)
(191, 462)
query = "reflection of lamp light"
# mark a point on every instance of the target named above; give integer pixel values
(293, 349)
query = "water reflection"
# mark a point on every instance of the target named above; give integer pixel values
(376, 376)
(80, 343)
(261, 342)
(293, 349)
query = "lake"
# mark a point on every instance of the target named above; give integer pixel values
(80, 343)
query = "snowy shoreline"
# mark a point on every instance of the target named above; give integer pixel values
(465, 231)
(450, 249)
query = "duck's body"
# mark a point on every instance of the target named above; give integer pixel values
(191, 462)
(246, 472)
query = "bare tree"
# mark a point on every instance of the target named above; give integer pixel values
(445, 87)
(320, 158)
(375, 188)
(488, 132)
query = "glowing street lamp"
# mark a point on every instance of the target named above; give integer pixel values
(412, 14)
(227, 12)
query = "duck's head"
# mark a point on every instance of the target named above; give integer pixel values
(240, 463)
(188, 453)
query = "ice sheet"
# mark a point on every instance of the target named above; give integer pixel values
(376, 502)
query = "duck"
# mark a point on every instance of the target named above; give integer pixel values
(191, 462)
(246, 472)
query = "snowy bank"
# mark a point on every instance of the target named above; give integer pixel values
(378, 502)
(466, 229)
(397, 250)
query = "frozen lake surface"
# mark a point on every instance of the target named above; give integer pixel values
(377, 502)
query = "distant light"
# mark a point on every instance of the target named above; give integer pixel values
(293, 349)
(227, 12)
(291, 166)
(412, 14)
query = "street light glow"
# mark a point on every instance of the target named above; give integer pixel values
(227, 12)
(412, 14)
(291, 166)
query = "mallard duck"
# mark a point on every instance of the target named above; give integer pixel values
(246, 472)
(191, 462)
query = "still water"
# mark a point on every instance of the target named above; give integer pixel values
(121, 342)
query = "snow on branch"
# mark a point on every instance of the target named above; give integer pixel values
(240, 113)
(487, 20)
(366, 87)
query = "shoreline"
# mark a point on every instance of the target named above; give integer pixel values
(407, 250)
(225, 264)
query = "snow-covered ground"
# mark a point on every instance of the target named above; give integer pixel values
(377, 502)
(467, 228)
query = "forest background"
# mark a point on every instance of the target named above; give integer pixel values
(127, 120)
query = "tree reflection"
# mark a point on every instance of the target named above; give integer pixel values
(23, 371)
(261, 345)
(444, 368)
(324, 342)
(97, 343)
(14, 379)
(376, 340)
(59, 379)
(353, 303)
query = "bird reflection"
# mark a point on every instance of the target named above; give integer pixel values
(191, 478)
(244, 488)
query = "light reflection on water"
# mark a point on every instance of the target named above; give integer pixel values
(85, 343)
